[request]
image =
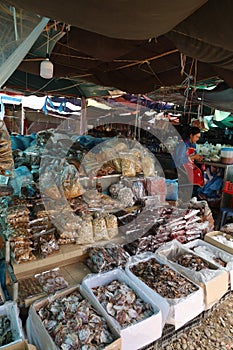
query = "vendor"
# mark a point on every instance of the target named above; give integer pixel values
(185, 156)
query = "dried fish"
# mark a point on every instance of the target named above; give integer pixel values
(106, 258)
(192, 262)
(52, 280)
(121, 302)
(6, 335)
(28, 288)
(162, 279)
(74, 324)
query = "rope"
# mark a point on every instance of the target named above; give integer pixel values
(148, 59)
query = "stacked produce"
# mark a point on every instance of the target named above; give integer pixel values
(119, 156)
(21, 244)
(156, 226)
(185, 227)
(97, 200)
(6, 159)
(42, 233)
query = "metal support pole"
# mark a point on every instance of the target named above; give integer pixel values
(22, 120)
(83, 124)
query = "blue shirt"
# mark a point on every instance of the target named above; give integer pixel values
(180, 155)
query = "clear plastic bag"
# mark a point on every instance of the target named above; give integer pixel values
(126, 197)
(117, 164)
(138, 189)
(112, 225)
(137, 160)
(85, 234)
(48, 185)
(6, 159)
(127, 164)
(156, 186)
(52, 280)
(115, 188)
(148, 166)
(70, 182)
(100, 229)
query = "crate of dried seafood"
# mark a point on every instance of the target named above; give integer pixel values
(67, 320)
(220, 240)
(10, 325)
(213, 254)
(178, 297)
(127, 307)
(209, 276)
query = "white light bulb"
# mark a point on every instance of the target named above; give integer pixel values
(46, 69)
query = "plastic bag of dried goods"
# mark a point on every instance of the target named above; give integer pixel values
(100, 229)
(126, 197)
(137, 160)
(70, 182)
(85, 233)
(115, 188)
(112, 226)
(127, 164)
(156, 186)
(148, 166)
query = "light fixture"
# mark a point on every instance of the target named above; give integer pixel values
(46, 66)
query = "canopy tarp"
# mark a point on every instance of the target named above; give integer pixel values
(31, 83)
(220, 98)
(136, 46)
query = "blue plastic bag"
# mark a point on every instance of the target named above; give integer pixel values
(171, 190)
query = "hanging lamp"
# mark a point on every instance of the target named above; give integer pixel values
(46, 66)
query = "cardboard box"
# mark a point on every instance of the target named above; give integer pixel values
(21, 346)
(10, 309)
(214, 283)
(181, 310)
(218, 253)
(37, 333)
(136, 335)
(209, 238)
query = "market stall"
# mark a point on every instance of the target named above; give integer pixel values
(91, 211)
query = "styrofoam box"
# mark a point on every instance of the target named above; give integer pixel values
(21, 346)
(37, 333)
(214, 281)
(181, 310)
(134, 336)
(10, 309)
(219, 253)
(209, 238)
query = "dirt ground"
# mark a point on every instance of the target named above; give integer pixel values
(214, 332)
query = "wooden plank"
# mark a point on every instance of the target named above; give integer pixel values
(68, 254)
